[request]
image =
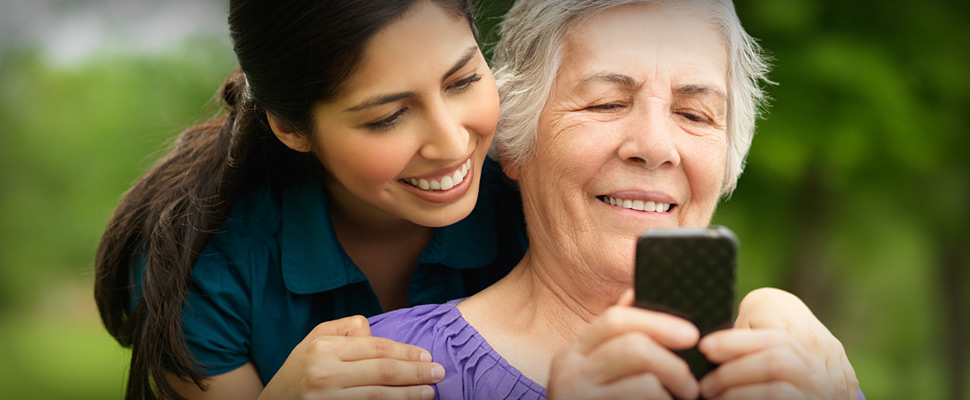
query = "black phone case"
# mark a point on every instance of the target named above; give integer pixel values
(689, 273)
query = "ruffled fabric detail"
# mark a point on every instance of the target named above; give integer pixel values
(473, 370)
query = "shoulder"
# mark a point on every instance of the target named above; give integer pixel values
(255, 214)
(472, 367)
(418, 325)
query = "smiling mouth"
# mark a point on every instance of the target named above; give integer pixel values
(637, 205)
(445, 182)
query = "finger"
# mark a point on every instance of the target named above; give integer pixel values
(773, 390)
(852, 382)
(634, 354)
(363, 348)
(643, 386)
(668, 330)
(355, 325)
(834, 372)
(772, 365)
(384, 392)
(626, 299)
(728, 344)
(388, 372)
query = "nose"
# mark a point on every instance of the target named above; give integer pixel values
(447, 138)
(648, 139)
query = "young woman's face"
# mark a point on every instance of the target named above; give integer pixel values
(408, 134)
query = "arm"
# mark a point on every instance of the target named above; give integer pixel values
(337, 360)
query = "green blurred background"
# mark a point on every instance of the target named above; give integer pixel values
(855, 196)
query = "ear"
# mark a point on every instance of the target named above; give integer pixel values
(288, 134)
(510, 170)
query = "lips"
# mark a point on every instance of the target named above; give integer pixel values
(444, 182)
(637, 204)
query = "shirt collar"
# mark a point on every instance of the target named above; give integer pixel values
(311, 257)
(313, 260)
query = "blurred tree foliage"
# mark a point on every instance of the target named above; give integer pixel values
(855, 196)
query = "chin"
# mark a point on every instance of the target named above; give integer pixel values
(445, 216)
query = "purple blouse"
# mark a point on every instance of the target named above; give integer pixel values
(473, 370)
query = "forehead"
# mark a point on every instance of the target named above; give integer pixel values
(422, 44)
(647, 42)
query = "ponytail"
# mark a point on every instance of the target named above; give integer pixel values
(164, 221)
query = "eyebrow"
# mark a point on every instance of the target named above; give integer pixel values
(389, 98)
(465, 58)
(693, 90)
(622, 80)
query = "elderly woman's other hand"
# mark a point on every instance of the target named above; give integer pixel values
(626, 353)
(778, 349)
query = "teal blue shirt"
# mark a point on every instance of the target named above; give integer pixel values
(275, 270)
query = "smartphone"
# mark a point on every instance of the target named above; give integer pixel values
(690, 273)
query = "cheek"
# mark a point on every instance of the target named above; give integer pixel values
(705, 164)
(482, 109)
(353, 161)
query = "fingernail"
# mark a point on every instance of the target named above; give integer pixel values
(686, 331)
(427, 393)
(437, 372)
(425, 356)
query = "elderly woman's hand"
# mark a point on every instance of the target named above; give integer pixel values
(625, 354)
(778, 349)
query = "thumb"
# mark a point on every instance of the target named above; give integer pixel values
(355, 325)
(626, 299)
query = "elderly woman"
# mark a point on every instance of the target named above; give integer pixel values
(609, 106)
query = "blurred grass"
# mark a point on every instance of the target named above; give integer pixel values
(58, 349)
(72, 139)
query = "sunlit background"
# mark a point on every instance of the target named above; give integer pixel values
(856, 195)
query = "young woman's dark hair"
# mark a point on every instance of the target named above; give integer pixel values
(292, 55)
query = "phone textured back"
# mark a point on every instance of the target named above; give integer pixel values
(691, 274)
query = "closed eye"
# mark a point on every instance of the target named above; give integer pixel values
(693, 117)
(465, 84)
(606, 107)
(388, 122)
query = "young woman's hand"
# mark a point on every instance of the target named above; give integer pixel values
(624, 354)
(780, 349)
(340, 360)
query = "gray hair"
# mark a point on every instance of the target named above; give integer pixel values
(529, 52)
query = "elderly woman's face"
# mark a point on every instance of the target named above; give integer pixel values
(632, 137)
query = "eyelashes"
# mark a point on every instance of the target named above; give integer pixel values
(465, 84)
(388, 122)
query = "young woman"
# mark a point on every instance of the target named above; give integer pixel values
(341, 181)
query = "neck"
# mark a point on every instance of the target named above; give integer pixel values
(385, 247)
(539, 308)
(572, 293)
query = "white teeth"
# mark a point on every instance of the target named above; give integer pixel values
(446, 183)
(639, 205)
